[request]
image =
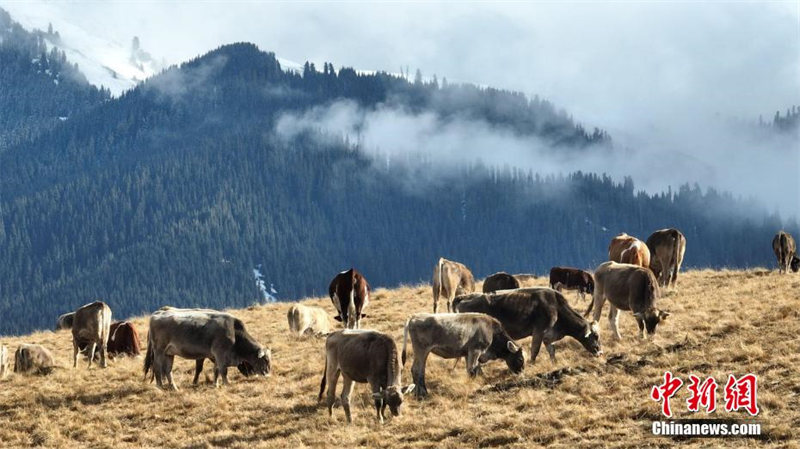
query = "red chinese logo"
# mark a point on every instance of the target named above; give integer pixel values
(742, 393)
(704, 394)
(665, 391)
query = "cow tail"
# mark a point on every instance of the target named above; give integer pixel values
(405, 340)
(439, 273)
(782, 246)
(352, 314)
(675, 256)
(324, 377)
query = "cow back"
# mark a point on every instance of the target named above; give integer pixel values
(365, 354)
(500, 281)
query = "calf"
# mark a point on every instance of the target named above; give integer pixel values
(31, 358)
(124, 339)
(349, 292)
(540, 312)
(450, 279)
(627, 287)
(500, 281)
(363, 356)
(304, 318)
(572, 279)
(91, 328)
(475, 336)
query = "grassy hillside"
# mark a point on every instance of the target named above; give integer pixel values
(723, 322)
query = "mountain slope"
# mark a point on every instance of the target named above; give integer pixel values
(580, 401)
(174, 193)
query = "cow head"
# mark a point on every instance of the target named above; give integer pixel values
(591, 339)
(393, 397)
(261, 365)
(795, 264)
(503, 347)
(651, 318)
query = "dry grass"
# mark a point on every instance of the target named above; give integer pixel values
(723, 322)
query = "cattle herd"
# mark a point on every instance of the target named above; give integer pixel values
(478, 327)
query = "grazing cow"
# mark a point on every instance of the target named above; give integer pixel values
(526, 280)
(539, 312)
(199, 334)
(304, 318)
(31, 358)
(475, 336)
(124, 339)
(65, 321)
(795, 265)
(667, 247)
(784, 247)
(500, 281)
(349, 292)
(91, 328)
(363, 356)
(3, 361)
(572, 279)
(627, 287)
(450, 279)
(627, 249)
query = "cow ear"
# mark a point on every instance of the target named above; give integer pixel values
(512, 347)
(409, 388)
(663, 314)
(595, 326)
(261, 353)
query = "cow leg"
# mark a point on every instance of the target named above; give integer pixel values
(223, 370)
(418, 372)
(380, 404)
(103, 354)
(168, 360)
(551, 349)
(91, 353)
(613, 321)
(640, 322)
(333, 377)
(536, 345)
(75, 351)
(198, 368)
(598, 299)
(473, 362)
(347, 387)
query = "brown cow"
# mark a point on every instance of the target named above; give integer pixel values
(572, 279)
(349, 292)
(784, 247)
(363, 356)
(667, 247)
(627, 287)
(627, 249)
(91, 328)
(31, 358)
(124, 339)
(500, 281)
(450, 279)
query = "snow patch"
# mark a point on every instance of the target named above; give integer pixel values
(268, 295)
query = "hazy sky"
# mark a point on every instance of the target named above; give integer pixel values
(662, 76)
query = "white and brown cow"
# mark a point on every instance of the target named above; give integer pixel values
(784, 247)
(349, 291)
(304, 319)
(33, 359)
(91, 328)
(450, 279)
(572, 279)
(627, 287)
(477, 337)
(628, 249)
(363, 356)
(667, 247)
